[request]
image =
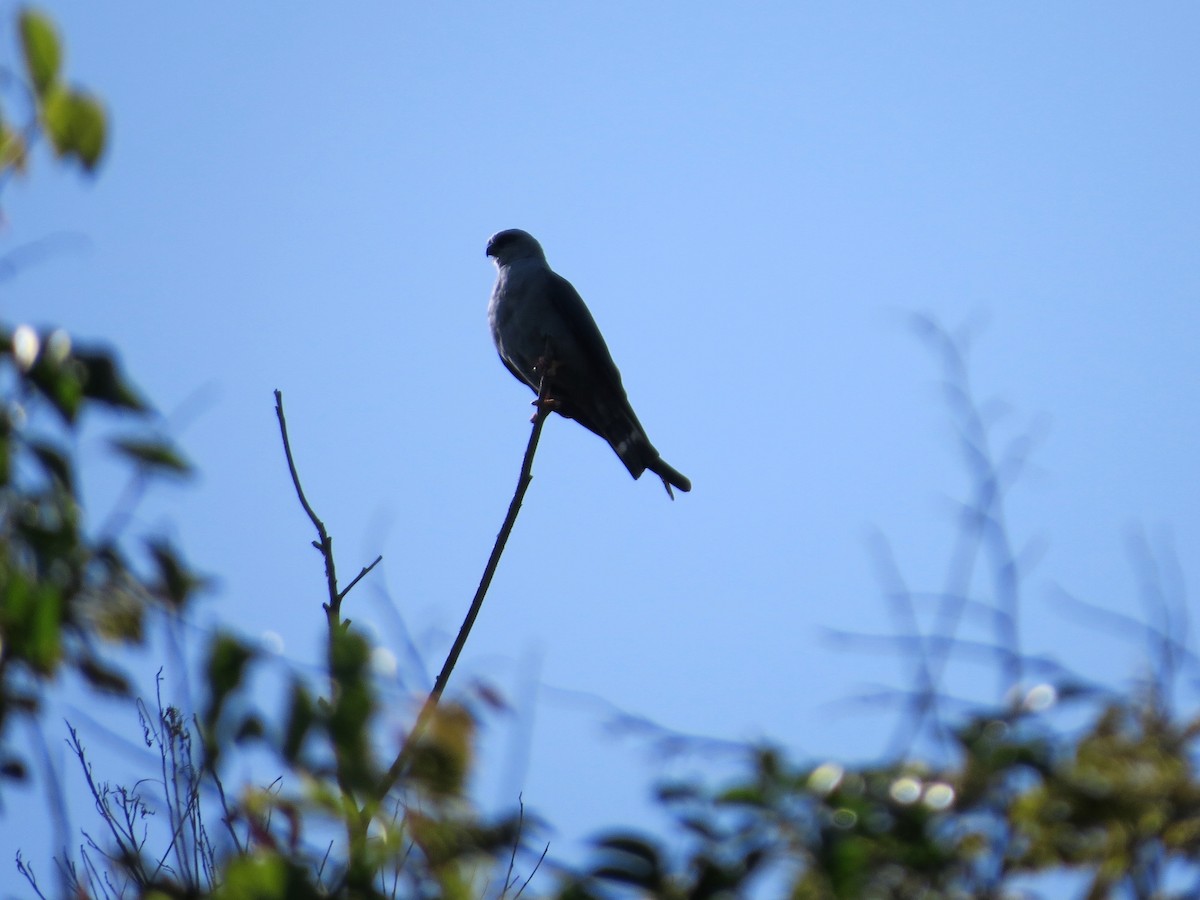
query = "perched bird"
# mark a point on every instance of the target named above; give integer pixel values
(541, 325)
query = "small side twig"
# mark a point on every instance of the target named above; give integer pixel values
(324, 543)
(26, 870)
(359, 577)
(536, 866)
(512, 859)
(544, 408)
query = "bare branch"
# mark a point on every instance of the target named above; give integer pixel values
(544, 408)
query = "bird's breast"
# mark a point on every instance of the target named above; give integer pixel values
(517, 314)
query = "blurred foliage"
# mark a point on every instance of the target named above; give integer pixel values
(66, 591)
(1063, 781)
(71, 119)
(282, 840)
(1117, 804)
(66, 587)
(424, 839)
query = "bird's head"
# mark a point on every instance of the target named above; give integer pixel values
(513, 244)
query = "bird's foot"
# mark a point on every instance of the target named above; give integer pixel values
(546, 368)
(549, 405)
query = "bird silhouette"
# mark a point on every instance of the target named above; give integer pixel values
(541, 326)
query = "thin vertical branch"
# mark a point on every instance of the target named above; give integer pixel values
(544, 408)
(333, 609)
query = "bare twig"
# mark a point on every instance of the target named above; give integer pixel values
(333, 609)
(536, 866)
(544, 409)
(26, 870)
(128, 846)
(512, 860)
(227, 816)
(359, 577)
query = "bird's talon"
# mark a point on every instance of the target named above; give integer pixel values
(544, 407)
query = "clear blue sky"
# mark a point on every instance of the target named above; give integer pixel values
(751, 200)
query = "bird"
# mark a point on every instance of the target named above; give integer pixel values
(541, 326)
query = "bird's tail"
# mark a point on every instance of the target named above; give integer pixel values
(669, 476)
(625, 435)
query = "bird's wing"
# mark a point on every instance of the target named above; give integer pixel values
(582, 328)
(516, 373)
(589, 385)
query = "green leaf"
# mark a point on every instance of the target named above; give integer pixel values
(41, 49)
(300, 719)
(76, 125)
(60, 383)
(227, 661)
(45, 647)
(677, 792)
(102, 381)
(442, 753)
(630, 859)
(226, 664)
(6, 451)
(117, 611)
(12, 148)
(103, 677)
(742, 795)
(352, 706)
(30, 622)
(265, 876)
(13, 769)
(153, 454)
(54, 463)
(250, 728)
(631, 845)
(176, 582)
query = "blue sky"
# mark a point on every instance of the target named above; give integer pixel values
(752, 201)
